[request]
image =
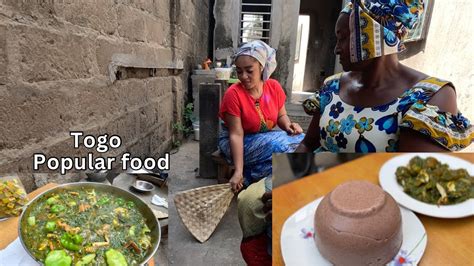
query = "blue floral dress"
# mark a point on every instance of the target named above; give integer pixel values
(347, 128)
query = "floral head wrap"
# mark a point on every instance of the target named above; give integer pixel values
(378, 27)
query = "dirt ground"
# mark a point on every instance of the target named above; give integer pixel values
(223, 247)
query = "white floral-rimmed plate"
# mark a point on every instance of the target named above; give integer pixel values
(298, 247)
(388, 182)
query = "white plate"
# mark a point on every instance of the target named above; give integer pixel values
(389, 183)
(298, 247)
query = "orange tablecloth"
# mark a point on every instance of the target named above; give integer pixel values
(450, 241)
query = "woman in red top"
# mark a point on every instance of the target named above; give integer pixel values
(250, 110)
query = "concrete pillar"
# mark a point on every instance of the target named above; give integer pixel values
(198, 77)
(209, 98)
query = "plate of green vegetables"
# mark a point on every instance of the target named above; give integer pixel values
(433, 184)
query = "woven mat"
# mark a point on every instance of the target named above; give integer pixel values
(201, 209)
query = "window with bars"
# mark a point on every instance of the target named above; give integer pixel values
(255, 17)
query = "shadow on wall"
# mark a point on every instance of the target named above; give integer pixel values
(413, 48)
(321, 41)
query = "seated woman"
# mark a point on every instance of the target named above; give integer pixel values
(250, 109)
(255, 217)
(378, 104)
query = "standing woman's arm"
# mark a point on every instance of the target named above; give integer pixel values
(236, 138)
(413, 141)
(311, 139)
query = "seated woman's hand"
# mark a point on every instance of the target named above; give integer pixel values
(236, 182)
(294, 129)
(267, 205)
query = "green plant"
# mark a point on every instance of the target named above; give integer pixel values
(176, 144)
(188, 115)
(180, 128)
(186, 127)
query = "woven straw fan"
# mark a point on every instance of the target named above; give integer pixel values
(201, 209)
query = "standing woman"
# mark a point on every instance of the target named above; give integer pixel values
(250, 110)
(378, 104)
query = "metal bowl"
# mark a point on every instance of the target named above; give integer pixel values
(143, 186)
(147, 213)
(97, 177)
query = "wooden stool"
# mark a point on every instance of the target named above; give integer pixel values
(224, 169)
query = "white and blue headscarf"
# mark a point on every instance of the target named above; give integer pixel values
(264, 54)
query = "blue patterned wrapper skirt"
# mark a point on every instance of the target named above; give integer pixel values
(258, 150)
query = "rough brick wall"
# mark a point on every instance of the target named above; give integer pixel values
(191, 31)
(54, 58)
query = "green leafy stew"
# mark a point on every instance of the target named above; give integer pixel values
(433, 182)
(86, 227)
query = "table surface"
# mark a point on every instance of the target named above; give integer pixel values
(450, 241)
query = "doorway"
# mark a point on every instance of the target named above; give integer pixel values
(320, 57)
(302, 37)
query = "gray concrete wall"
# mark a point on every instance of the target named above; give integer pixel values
(447, 52)
(282, 37)
(54, 76)
(226, 30)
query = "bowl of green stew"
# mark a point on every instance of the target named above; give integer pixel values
(89, 224)
(434, 184)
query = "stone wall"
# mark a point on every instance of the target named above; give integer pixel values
(55, 75)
